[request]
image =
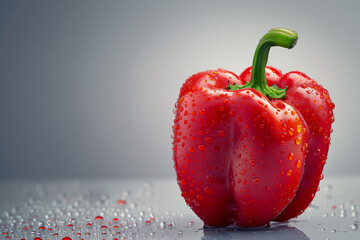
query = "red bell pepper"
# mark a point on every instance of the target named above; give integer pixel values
(250, 149)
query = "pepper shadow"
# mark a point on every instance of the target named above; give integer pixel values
(277, 232)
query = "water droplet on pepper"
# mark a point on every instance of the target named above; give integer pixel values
(291, 131)
(298, 128)
(202, 148)
(252, 162)
(208, 190)
(317, 152)
(256, 180)
(221, 133)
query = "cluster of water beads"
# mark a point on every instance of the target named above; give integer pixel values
(41, 212)
(338, 217)
(44, 215)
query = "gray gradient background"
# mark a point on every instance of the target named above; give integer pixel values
(87, 88)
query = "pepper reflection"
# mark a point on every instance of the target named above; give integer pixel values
(277, 232)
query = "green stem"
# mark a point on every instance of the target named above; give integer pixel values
(275, 37)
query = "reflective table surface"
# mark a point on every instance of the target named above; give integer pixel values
(154, 209)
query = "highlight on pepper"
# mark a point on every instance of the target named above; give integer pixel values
(249, 149)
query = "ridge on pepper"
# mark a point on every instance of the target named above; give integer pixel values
(250, 149)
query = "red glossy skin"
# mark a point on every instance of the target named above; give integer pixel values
(273, 75)
(239, 157)
(315, 106)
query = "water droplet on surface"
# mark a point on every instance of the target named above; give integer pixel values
(291, 156)
(171, 226)
(162, 225)
(355, 226)
(342, 213)
(191, 223)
